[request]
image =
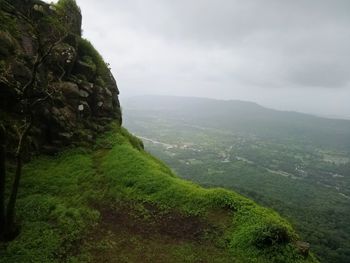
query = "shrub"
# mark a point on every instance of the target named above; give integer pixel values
(68, 4)
(271, 234)
(71, 14)
(8, 23)
(90, 55)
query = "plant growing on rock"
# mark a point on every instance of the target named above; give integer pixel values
(31, 95)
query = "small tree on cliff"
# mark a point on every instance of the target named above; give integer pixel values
(2, 178)
(30, 96)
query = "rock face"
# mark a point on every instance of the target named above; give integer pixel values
(85, 96)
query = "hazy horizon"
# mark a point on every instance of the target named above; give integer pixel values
(125, 98)
(284, 55)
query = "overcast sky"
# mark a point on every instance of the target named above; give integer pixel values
(284, 54)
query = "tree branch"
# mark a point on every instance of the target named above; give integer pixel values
(38, 62)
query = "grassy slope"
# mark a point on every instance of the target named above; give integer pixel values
(116, 203)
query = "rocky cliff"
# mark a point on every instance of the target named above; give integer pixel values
(83, 93)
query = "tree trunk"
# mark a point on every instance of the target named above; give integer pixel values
(2, 182)
(11, 230)
(10, 213)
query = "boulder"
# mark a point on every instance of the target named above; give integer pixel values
(20, 71)
(62, 59)
(69, 90)
(113, 85)
(39, 8)
(88, 70)
(107, 92)
(87, 87)
(69, 115)
(84, 109)
(65, 137)
(84, 93)
(63, 118)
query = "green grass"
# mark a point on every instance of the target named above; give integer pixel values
(53, 208)
(62, 200)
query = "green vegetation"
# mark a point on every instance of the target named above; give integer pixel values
(68, 5)
(91, 56)
(53, 211)
(70, 15)
(8, 23)
(306, 183)
(116, 202)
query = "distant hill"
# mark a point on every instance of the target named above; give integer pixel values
(246, 118)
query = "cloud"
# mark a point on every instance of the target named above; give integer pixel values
(228, 49)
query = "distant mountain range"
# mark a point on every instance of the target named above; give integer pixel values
(247, 118)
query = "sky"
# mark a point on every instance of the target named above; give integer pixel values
(283, 54)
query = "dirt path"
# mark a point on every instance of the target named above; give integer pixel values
(134, 232)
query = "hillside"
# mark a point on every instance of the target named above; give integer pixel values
(272, 157)
(84, 188)
(116, 203)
